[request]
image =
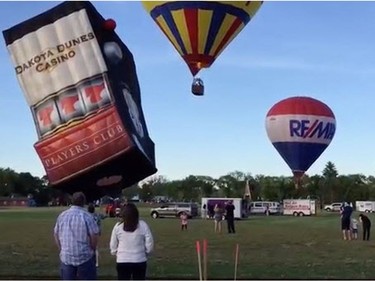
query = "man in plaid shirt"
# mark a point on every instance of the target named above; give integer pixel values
(76, 235)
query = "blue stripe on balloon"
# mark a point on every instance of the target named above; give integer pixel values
(216, 21)
(167, 15)
(299, 155)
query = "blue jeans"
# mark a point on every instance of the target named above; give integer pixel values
(85, 271)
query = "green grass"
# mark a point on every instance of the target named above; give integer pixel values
(270, 248)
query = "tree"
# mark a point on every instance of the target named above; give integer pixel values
(330, 174)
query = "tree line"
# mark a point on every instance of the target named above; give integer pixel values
(327, 187)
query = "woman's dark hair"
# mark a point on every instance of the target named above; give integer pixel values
(130, 217)
(91, 208)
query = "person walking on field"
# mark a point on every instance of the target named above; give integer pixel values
(98, 219)
(366, 226)
(131, 242)
(76, 236)
(229, 211)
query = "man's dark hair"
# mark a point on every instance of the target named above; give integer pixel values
(79, 199)
(130, 217)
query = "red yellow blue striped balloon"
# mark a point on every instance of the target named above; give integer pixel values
(201, 30)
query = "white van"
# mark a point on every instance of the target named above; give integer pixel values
(261, 207)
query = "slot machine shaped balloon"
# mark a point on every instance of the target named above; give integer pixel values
(300, 128)
(80, 82)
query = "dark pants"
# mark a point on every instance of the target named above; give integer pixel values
(366, 232)
(128, 271)
(85, 271)
(183, 226)
(230, 222)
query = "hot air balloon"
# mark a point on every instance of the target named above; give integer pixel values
(80, 82)
(201, 30)
(300, 128)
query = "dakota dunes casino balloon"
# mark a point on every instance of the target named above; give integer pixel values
(80, 82)
(300, 128)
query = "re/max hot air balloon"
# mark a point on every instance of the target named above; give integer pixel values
(80, 82)
(201, 30)
(300, 128)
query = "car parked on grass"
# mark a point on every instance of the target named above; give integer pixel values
(175, 210)
(334, 207)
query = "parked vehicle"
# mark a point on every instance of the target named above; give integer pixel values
(262, 207)
(240, 206)
(334, 207)
(365, 206)
(175, 210)
(299, 207)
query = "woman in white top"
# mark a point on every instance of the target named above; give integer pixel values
(131, 242)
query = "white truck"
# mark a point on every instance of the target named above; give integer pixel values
(208, 205)
(365, 206)
(299, 207)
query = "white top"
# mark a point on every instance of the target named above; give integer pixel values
(131, 246)
(354, 224)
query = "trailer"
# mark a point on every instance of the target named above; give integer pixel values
(208, 205)
(365, 206)
(299, 207)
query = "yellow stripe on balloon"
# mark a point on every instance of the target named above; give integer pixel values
(204, 20)
(252, 8)
(225, 26)
(238, 30)
(150, 5)
(169, 34)
(180, 21)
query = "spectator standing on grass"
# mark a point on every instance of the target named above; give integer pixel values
(131, 242)
(354, 229)
(184, 220)
(204, 215)
(76, 235)
(98, 219)
(218, 217)
(346, 214)
(366, 226)
(229, 214)
(211, 211)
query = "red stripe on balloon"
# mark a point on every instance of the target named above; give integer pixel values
(302, 106)
(191, 16)
(235, 25)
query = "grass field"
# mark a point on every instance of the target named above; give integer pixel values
(275, 247)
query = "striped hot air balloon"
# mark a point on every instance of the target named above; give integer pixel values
(201, 30)
(300, 128)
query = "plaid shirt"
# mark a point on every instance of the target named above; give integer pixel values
(73, 228)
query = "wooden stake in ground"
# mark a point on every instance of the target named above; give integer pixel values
(198, 246)
(205, 259)
(236, 261)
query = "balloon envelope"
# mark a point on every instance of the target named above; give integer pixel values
(201, 30)
(80, 82)
(300, 128)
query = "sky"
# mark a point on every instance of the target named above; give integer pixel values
(324, 50)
